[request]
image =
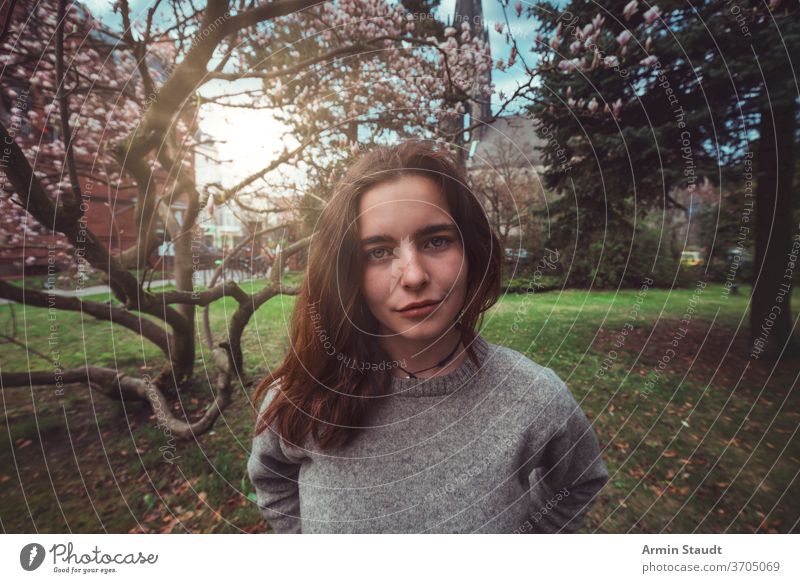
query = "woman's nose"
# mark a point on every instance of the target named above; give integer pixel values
(414, 273)
(409, 269)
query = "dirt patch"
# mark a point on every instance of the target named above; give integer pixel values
(717, 353)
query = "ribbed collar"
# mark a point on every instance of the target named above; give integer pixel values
(444, 384)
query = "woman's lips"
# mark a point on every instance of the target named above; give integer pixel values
(419, 312)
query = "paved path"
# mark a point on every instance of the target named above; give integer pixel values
(200, 278)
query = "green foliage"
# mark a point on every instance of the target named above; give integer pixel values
(619, 258)
(628, 123)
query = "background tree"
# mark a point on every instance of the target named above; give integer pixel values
(510, 190)
(646, 99)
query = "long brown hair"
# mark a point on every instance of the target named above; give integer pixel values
(319, 394)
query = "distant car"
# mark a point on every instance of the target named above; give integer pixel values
(735, 253)
(517, 255)
(692, 258)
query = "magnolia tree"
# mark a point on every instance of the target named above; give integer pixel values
(34, 83)
(92, 102)
(410, 76)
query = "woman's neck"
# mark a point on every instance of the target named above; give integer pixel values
(418, 355)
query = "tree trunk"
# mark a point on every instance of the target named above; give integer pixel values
(770, 312)
(184, 348)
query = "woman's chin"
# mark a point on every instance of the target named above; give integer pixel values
(423, 330)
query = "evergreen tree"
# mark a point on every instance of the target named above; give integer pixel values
(637, 101)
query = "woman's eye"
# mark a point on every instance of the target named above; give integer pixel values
(439, 242)
(377, 254)
(381, 253)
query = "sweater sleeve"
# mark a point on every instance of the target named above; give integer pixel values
(565, 484)
(275, 477)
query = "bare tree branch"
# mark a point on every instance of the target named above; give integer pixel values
(63, 106)
(119, 386)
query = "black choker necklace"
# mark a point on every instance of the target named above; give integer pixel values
(413, 375)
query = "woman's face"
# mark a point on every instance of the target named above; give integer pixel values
(413, 253)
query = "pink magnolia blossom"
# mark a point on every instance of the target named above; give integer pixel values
(624, 37)
(630, 9)
(569, 65)
(617, 107)
(652, 15)
(518, 7)
(512, 58)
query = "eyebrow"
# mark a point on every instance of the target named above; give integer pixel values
(418, 234)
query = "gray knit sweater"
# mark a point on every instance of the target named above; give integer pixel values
(498, 448)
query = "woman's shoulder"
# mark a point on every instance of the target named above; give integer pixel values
(270, 436)
(525, 379)
(269, 393)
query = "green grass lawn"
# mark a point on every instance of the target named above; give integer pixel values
(708, 443)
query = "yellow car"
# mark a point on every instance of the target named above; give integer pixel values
(692, 258)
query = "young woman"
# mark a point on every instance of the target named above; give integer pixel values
(390, 413)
